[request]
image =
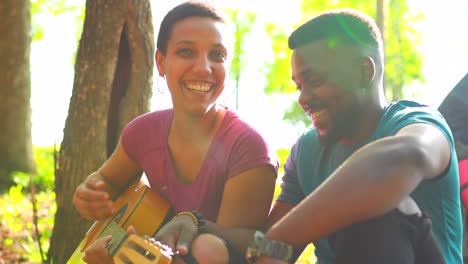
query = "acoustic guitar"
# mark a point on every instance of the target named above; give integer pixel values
(141, 208)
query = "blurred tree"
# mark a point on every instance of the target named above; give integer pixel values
(243, 21)
(21, 25)
(16, 153)
(41, 9)
(402, 61)
(112, 85)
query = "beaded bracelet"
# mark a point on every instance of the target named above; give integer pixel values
(201, 221)
(197, 219)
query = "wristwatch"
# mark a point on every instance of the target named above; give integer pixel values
(260, 245)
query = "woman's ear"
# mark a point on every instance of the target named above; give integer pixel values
(367, 71)
(159, 57)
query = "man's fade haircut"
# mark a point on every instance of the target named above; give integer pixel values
(187, 9)
(340, 27)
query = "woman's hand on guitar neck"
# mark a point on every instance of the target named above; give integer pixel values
(178, 234)
(92, 198)
(97, 252)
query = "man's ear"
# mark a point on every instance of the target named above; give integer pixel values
(367, 71)
(159, 57)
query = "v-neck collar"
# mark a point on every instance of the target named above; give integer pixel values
(210, 152)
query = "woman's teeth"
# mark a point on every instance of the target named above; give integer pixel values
(198, 87)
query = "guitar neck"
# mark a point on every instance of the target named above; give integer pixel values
(119, 235)
(133, 249)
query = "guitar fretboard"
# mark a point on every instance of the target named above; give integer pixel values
(118, 236)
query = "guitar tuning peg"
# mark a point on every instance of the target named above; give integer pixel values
(160, 245)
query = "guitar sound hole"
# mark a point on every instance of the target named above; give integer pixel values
(125, 259)
(142, 251)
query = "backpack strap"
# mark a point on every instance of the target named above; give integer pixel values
(463, 170)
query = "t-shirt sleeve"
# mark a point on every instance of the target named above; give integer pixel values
(132, 137)
(413, 115)
(128, 139)
(250, 150)
(290, 187)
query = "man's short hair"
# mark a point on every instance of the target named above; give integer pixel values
(340, 27)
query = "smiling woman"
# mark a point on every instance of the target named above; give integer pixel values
(195, 61)
(215, 170)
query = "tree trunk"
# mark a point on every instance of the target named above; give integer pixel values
(16, 152)
(398, 59)
(113, 84)
(380, 20)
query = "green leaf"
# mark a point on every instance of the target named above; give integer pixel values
(16, 195)
(8, 241)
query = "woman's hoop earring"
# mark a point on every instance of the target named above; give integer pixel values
(158, 83)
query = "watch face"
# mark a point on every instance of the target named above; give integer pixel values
(252, 251)
(260, 245)
(252, 254)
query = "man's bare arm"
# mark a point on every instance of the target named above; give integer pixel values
(371, 182)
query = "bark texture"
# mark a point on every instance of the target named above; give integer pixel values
(112, 85)
(16, 152)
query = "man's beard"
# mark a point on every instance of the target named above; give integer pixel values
(344, 125)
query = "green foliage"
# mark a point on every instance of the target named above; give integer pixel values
(43, 179)
(278, 74)
(243, 22)
(41, 10)
(16, 213)
(295, 115)
(282, 155)
(278, 70)
(402, 61)
(16, 209)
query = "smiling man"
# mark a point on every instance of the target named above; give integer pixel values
(366, 181)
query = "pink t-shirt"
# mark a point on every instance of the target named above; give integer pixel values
(236, 147)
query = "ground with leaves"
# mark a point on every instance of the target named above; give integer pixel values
(17, 230)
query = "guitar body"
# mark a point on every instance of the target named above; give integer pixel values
(139, 207)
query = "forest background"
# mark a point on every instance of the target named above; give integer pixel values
(426, 55)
